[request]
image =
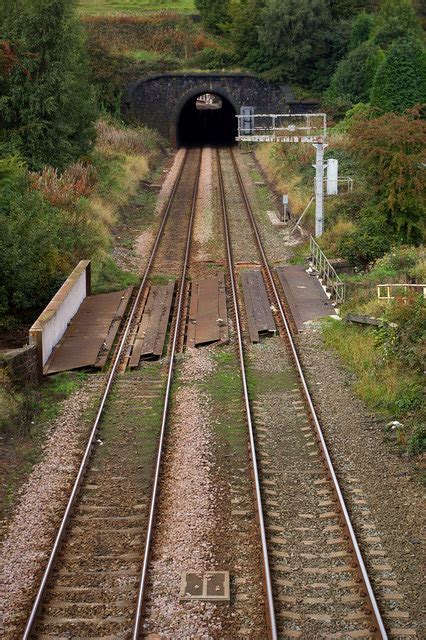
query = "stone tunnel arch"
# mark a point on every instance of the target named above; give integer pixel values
(158, 100)
(191, 126)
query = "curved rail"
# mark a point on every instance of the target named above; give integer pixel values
(258, 495)
(366, 584)
(152, 511)
(86, 456)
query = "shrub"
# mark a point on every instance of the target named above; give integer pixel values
(368, 241)
(213, 58)
(78, 180)
(119, 137)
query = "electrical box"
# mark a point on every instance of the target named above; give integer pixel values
(246, 122)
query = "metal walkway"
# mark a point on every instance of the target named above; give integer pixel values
(305, 296)
(90, 334)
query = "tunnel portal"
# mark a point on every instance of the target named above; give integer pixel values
(207, 119)
(168, 102)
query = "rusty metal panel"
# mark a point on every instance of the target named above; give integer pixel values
(258, 309)
(207, 313)
(152, 329)
(305, 296)
(90, 334)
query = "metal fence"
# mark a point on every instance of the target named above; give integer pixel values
(327, 272)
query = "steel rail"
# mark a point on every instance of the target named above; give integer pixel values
(152, 511)
(86, 457)
(259, 504)
(367, 587)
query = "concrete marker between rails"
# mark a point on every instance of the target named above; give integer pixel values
(366, 584)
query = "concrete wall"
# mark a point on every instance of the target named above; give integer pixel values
(51, 325)
(157, 100)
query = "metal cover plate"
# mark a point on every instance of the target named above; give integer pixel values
(207, 320)
(258, 310)
(207, 586)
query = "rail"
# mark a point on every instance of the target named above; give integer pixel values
(92, 437)
(258, 495)
(404, 288)
(366, 586)
(326, 271)
(152, 511)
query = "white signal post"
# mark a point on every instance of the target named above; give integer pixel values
(290, 127)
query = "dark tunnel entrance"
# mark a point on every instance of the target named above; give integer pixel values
(207, 119)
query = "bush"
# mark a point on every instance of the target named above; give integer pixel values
(63, 190)
(367, 242)
(408, 339)
(212, 58)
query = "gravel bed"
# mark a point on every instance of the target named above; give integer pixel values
(203, 224)
(42, 501)
(387, 479)
(279, 240)
(187, 513)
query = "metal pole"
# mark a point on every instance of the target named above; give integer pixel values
(319, 189)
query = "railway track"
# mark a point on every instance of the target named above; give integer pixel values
(320, 587)
(93, 583)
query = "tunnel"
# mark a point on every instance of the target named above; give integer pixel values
(206, 119)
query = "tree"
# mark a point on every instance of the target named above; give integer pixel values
(361, 29)
(292, 37)
(396, 19)
(390, 150)
(355, 74)
(47, 108)
(245, 19)
(214, 13)
(400, 81)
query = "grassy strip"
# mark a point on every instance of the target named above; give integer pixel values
(111, 7)
(387, 386)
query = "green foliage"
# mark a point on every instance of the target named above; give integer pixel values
(390, 151)
(400, 81)
(215, 13)
(408, 339)
(292, 37)
(396, 19)
(245, 19)
(214, 58)
(47, 107)
(355, 74)
(361, 29)
(368, 241)
(417, 442)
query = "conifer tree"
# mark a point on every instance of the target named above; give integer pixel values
(47, 106)
(400, 81)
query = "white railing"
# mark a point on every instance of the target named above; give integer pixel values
(326, 271)
(390, 291)
(282, 127)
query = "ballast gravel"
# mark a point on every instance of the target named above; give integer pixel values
(186, 515)
(41, 504)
